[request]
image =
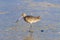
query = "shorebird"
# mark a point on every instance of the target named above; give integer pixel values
(30, 19)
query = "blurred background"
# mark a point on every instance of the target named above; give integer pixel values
(11, 10)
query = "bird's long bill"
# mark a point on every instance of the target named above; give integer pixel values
(18, 19)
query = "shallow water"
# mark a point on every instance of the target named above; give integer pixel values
(11, 10)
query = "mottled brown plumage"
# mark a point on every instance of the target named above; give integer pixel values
(30, 19)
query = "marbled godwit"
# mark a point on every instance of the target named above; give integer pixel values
(30, 19)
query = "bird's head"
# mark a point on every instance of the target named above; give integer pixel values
(23, 14)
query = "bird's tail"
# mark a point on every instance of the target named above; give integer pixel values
(38, 17)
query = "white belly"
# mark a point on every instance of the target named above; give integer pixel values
(33, 21)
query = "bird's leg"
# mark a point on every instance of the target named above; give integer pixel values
(30, 29)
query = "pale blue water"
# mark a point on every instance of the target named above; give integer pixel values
(11, 10)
